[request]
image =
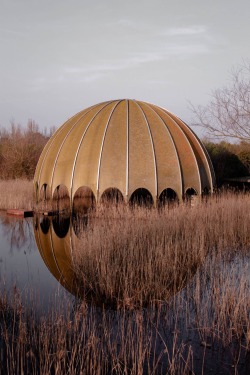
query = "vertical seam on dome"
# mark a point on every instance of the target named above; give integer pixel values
(49, 147)
(173, 143)
(102, 145)
(198, 169)
(52, 142)
(63, 142)
(53, 252)
(204, 151)
(127, 149)
(153, 149)
(78, 149)
(40, 248)
(210, 166)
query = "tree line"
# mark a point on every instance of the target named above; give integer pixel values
(20, 148)
(230, 160)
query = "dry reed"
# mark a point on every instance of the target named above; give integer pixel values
(16, 194)
(202, 328)
(138, 257)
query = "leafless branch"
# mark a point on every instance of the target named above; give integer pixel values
(228, 112)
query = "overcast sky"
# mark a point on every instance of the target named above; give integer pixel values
(58, 57)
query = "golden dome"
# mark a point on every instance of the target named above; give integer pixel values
(125, 145)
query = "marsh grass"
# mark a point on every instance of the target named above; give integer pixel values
(19, 194)
(138, 257)
(178, 285)
(16, 194)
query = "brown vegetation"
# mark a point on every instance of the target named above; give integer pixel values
(154, 253)
(16, 194)
(20, 149)
(137, 254)
(230, 160)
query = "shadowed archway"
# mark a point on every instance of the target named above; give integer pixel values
(83, 200)
(141, 197)
(113, 196)
(168, 197)
(61, 199)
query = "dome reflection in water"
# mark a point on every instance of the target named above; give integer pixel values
(60, 240)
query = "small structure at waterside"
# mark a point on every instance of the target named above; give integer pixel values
(20, 212)
(123, 150)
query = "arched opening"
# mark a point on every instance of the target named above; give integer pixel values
(141, 197)
(112, 196)
(168, 197)
(191, 196)
(45, 193)
(61, 225)
(205, 191)
(190, 192)
(79, 223)
(61, 199)
(36, 191)
(45, 224)
(83, 200)
(205, 194)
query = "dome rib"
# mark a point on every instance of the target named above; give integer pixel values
(206, 157)
(53, 140)
(62, 144)
(50, 144)
(172, 141)
(189, 145)
(55, 258)
(78, 148)
(102, 145)
(52, 262)
(152, 145)
(57, 255)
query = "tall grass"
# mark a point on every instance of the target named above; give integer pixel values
(19, 194)
(16, 194)
(139, 256)
(178, 284)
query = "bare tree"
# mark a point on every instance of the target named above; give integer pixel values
(20, 149)
(228, 112)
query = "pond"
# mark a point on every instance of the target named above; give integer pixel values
(22, 267)
(36, 260)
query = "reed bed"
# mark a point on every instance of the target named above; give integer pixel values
(177, 282)
(19, 194)
(16, 194)
(137, 257)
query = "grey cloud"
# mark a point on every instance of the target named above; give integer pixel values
(183, 31)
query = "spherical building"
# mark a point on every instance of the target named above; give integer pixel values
(128, 148)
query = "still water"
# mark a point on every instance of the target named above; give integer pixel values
(36, 256)
(21, 265)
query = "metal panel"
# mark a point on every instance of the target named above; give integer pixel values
(127, 145)
(167, 160)
(87, 158)
(141, 157)
(113, 161)
(206, 172)
(188, 163)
